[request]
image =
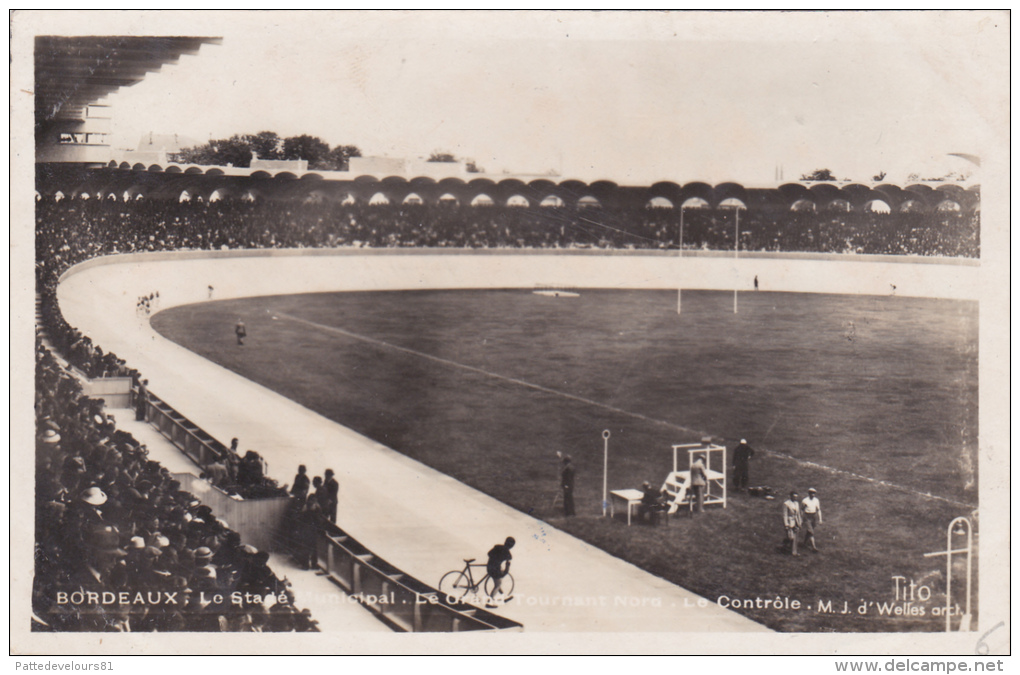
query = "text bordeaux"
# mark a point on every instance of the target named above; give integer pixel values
(153, 598)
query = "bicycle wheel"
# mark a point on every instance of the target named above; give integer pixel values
(454, 584)
(506, 589)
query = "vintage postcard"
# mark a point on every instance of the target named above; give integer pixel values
(508, 332)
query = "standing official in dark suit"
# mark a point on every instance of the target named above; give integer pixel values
(141, 399)
(567, 481)
(332, 494)
(742, 455)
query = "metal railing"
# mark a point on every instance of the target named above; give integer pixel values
(199, 446)
(402, 601)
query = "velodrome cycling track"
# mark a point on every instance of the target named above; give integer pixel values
(420, 520)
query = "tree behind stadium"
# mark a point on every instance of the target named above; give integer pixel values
(237, 151)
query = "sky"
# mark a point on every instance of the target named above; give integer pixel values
(633, 97)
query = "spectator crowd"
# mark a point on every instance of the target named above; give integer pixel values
(69, 231)
(120, 547)
(244, 476)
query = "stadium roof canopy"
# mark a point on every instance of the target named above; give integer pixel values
(72, 72)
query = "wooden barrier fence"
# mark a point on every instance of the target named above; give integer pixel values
(400, 600)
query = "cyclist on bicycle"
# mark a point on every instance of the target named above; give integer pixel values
(499, 563)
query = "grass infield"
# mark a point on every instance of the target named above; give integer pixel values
(871, 400)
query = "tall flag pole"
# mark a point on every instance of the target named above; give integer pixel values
(679, 284)
(605, 473)
(736, 250)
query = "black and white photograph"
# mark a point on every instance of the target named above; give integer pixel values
(582, 332)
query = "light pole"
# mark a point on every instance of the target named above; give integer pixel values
(605, 473)
(959, 526)
(679, 285)
(736, 250)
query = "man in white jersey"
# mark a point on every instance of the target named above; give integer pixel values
(812, 509)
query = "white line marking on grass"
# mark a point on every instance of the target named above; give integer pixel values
(605, 406)
(876, 481)
(480, 371)
(773, 426)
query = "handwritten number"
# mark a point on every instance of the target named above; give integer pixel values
(982, 648)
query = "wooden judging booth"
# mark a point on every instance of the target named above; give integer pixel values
(677, 484)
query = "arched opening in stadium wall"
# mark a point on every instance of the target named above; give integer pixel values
(732, 203)
(695, 203)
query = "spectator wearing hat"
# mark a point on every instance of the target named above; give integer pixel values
(203, 578)
(141, 399)
(250, 472)
(699, 482)
(567, 481)
(217, 473)
(233, 463)
(98, 571)
(135, 549)
(72, 471)
(309, 522)
(301, 483)
(203, 556)
(255, 575)
(812, 508)
(332, 488)
(85, 514)
(319, 492)
(651, 503)
(742, 455)
(151, 573)
(792, 521)
(102, 553)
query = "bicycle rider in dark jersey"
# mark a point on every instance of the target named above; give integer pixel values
(499, 563)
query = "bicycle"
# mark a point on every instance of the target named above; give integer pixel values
(457, 584)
